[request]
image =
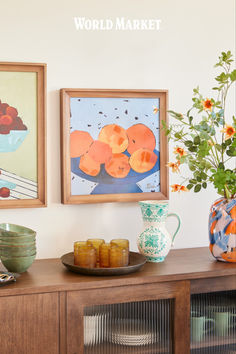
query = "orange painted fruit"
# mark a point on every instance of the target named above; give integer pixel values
(89, 166)
(12, 111)
(118, 166)
(100, 152)
(140, 136)
(6, 120)
(80, 142)
(115, 136)
(143, 160)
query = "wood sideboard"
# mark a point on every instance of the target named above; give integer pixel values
(42, 313)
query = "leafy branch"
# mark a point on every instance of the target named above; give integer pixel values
(197, 133)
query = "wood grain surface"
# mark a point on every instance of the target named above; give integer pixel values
(29, 324)
(186, 264)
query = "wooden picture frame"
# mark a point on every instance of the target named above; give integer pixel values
(22, 135)
(89, 114)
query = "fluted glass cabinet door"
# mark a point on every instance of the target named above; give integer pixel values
(150, 318)
(213, 323)
(134, 327)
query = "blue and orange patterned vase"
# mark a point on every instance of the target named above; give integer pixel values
(155, 241)
(222, 230)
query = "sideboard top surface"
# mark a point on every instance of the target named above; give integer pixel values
(49, 275)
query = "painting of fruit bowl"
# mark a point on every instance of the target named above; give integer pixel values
(22, 135)
(12, 129)
(115, 147)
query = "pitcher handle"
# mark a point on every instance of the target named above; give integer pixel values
(179, 223)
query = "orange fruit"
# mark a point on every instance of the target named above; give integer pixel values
(143, 160)
(140, 136)
(118, 166)
(100, 152)
(89, 166)
(80, 142)
(4, 192)
(6, 119)
(115, 136)
(12, 111)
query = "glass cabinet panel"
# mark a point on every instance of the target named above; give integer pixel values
(213, 323)
(134, 327)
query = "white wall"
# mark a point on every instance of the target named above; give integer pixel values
(178, 57)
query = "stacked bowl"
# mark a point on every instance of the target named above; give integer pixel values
(17, 247)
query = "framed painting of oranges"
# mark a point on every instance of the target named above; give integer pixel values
(112, 146)
(22, 135)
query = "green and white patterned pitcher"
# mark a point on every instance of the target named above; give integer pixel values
(155, 241)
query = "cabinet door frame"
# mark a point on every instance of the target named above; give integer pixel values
(211, 285)
(178, 291)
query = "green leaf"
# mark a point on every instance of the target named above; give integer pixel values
(233, 75)
(197, 140)
(221, 166)
(228, 142)
(231, 152)
(222, 78)
(221, 113)
(197, 188)
(192, 167)
(203, 175)
(192, 148)
(188, 143)
(204, 185)
(193, 181)
(178, 135)
(190, 186)
(199, 179)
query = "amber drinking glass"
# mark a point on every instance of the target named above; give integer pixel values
(78, 244)
(96, 243)
(121, 242)
(104, 255)
(86, 256)
(119, 256)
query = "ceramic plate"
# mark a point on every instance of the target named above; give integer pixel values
(136, 261)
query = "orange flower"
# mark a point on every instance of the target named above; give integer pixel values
(174, 166)
(178, 188)
(155, 109)
(229, 131)
(180, 151)
(207, 104)
(184, 189)
(175, 187)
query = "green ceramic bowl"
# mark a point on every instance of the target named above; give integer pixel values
(12, 230)
(17, 240)
(17, 253)
(17, 264)
(17, 245)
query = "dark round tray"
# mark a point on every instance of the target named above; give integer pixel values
(136, 261)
